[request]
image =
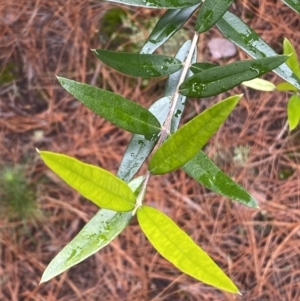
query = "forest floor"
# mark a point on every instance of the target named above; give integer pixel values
(39, 214)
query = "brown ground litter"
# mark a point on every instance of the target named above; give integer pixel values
(258, 249)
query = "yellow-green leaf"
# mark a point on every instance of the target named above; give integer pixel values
(285, 86)
(94, 183)
(183, 145)
(293, 111)
(178, 248)
(292, 61)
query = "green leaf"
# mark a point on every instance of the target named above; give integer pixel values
(137, 64)
(293, 111)
(202, 66)
(94, 183)
(139, 148)
(205, 172)
(210, 13)
(222, 78)
(292, 61)
(247, 39)
(260, 84)
(189, 139)
(120, 111)
(166, 27)
(178, 248)
(284, 86)
(293, 4)
(158, 3)
(103, 227)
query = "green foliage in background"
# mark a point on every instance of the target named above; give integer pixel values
(156, 134)
(17, 195)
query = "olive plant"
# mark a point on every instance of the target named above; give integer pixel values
(156, 135)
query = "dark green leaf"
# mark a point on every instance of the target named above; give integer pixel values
(285, 86)
(95, 235)
(113, 107)
(293, 4)
(178, 248)
(205, 172)
(183, 145)
(292, 61)
(247, 39)
(199, 67)
(222, 78)
(94, 183)
(137, 64)
(210, 13)
(293, 111)
(167, 25)
(139, 148)
(158, 3)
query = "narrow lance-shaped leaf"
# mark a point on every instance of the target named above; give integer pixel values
(120, 111)
(292, 61)
(166, 27)
(293, 4)
(189, 139)
(247, 39)
(260, 84)
(205, 172)
(103, 227)
(139, 64)
(139, 148)
(158, 3)
(94, 183)
(210, 12)
(178, 248)
(222, 78)
(293, 111)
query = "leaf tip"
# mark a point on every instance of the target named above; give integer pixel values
(37, 150)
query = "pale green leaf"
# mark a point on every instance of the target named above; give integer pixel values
(293, 111)
(260, 84)
(178, 248)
